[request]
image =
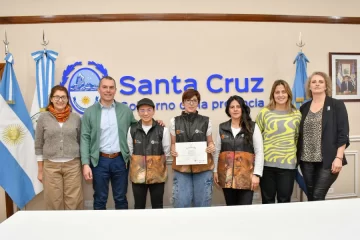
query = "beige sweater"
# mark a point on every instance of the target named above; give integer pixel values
(53, 141)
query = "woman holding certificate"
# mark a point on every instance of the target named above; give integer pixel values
(191, 145)
(239, 156)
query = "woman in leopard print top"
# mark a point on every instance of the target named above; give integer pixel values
(323, 137)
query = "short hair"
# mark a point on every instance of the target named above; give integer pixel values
(272, 103)
(53, 90)
(348, 77)
(107, 78)
(189, 93)
(327, 83)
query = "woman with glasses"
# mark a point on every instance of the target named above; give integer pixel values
(57, 146)
(192, 184)
(239, 156)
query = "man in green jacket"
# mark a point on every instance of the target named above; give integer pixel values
(103, 145)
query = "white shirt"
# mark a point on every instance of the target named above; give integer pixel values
(258, 149)
(165, 140)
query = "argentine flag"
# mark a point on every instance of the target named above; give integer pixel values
(298, 90)
(299, 97)
(18, 165)
(339, 76)
(45, 79)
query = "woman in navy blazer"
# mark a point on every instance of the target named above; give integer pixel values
(323, 137)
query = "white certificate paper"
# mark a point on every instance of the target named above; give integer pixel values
(191, 153)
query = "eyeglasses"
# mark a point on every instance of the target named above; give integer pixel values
(149, 110)
(191, 101)
(57, 98)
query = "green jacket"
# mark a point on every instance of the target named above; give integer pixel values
(90, 132)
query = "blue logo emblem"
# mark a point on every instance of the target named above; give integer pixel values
(83, 84)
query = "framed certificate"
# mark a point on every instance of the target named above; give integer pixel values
(191, 153)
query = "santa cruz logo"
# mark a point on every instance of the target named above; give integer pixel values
(83, 84)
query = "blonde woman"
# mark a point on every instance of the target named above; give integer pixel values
(57, 146)
(279, 123)
(324, 135)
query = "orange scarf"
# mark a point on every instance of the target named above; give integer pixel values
(60, 116)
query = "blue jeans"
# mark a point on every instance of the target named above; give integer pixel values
(193, 188)
(114, 170)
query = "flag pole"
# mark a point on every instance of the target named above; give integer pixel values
(9, 204)
(301, 45)
(301, 99)
(6, 44)
(45, 42)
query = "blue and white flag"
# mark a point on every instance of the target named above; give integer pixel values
(299, 94)
(299, 97)
(339, 76)
(45, 79)
(353, 75)
(18, 165)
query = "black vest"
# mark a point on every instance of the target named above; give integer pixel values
(148, 163)
(191, 127)
(147, 144)
(236, 158)
(231, 144)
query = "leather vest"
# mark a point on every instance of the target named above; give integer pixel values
(148, 163)
(192, 127)
(236, 159)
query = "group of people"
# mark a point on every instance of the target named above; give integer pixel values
(108, 144)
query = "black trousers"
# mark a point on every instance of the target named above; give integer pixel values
(277, 182)
(156, 194)
(238, 196)
(317, 180)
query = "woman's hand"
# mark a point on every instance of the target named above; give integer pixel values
(255, 180)
(336, 166)
(40, 175)
(173, 151)
(40, 171)
(210, 148)
(216, 179)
